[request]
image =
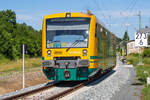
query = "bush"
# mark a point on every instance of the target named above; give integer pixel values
(146, 52)
(146, 60)
(132, 59)
(142, 72)
(134, 54)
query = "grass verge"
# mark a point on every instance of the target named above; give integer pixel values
(8, 67)
(143, 71)
(146, 93)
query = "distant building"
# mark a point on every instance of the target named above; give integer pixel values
(146, 30)
(131, 44)
(131, 47)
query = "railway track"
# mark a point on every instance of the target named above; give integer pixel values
(75, 88)
(55, 90)
(48, 86)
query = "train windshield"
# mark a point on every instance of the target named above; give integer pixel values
(67, 32)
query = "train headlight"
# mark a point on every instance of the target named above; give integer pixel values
(68, 14)
(84, 52)
(49, 52)
(83, 63)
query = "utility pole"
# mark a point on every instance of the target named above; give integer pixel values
(110, 22)
(140, 49)
(149, 22)
(139, 20)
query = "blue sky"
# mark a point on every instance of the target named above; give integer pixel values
(120, 13)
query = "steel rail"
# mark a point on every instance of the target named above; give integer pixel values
(53, 84)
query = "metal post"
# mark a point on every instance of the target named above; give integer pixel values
(140, 57)
(140, 49)
(110, 22)
(139, 20)
(23, 75)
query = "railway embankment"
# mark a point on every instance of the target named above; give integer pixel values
(11, 74)
(120, 85)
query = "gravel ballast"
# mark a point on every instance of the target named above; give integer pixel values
(42, 95)
(116, 85)
(21, 91)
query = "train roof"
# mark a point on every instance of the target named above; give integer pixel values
(75, 14)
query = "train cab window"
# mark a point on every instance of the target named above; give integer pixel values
(96, 30)
(64, 32)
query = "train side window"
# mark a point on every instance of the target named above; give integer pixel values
(96, 30)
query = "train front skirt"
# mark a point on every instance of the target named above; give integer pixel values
(72, 74)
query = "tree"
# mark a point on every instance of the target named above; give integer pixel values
(13, 35)
(7, 25)
(126, 37)
(125, 41)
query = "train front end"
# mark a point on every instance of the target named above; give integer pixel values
(66, 46)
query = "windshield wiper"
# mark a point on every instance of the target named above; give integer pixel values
(73, 44)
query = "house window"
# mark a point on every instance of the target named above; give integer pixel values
(131, 46)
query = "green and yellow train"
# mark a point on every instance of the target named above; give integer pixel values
(75, 46)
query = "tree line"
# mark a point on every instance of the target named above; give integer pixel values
(13, 35)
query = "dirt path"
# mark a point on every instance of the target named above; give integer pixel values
(14, 82)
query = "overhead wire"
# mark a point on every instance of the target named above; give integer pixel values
(98, 6)
(109, 16)
(132, 4)
(128, 9)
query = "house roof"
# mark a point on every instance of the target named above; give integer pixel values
(145, 30)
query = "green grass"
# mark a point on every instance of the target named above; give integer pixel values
(146, 60)
(4, 61)
(132, 59)
(143, 71)
(8, 67)
(146, 93)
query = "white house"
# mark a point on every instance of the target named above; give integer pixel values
(131, 47)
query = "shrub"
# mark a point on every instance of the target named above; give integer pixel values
(146, 52)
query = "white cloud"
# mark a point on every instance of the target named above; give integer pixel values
(24, 17)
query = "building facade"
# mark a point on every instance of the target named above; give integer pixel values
(131, 48)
